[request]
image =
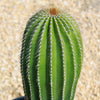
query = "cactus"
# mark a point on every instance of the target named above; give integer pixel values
(51, 56)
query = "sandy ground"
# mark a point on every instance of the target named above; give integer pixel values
(13, 17)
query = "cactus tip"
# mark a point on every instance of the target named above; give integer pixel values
(53, 11)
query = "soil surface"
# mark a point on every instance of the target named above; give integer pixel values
(14, 15)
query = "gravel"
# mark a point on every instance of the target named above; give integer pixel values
(14, 15)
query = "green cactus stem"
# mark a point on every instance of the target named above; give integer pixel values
(51, 56)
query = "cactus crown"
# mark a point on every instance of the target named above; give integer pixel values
(53, 11)
(51, 56)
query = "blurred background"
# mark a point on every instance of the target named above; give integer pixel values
(14, 15)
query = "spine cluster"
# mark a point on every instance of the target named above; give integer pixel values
(51, 56)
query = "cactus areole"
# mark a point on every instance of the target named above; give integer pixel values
(51, 56)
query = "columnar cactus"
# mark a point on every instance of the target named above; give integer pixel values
(51, 56)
